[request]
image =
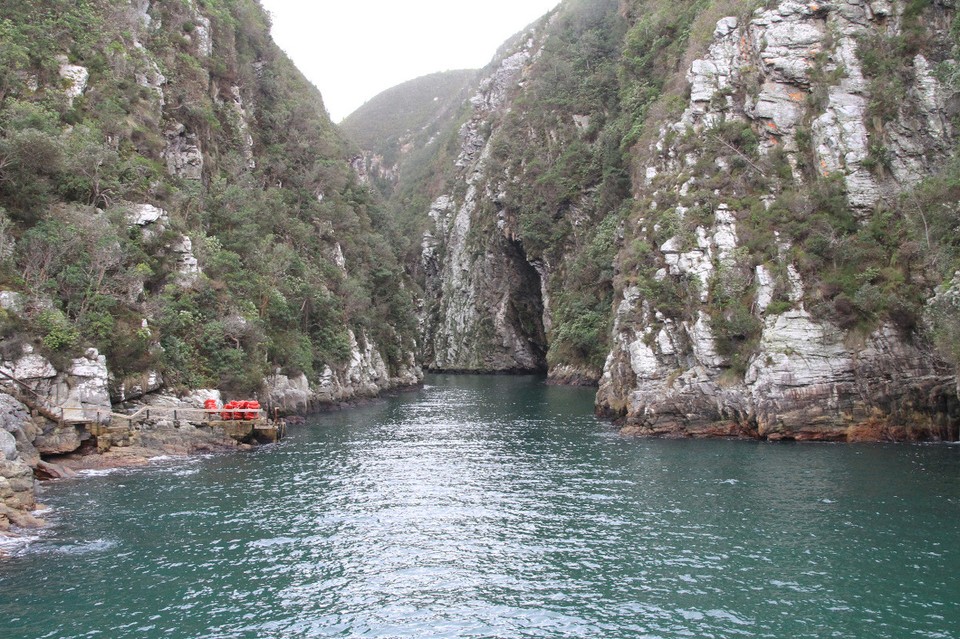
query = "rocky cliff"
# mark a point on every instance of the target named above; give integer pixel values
(18, 458)
(776, 287)
(516, 257)
(739, 218)
(177, 211)
(483, 294)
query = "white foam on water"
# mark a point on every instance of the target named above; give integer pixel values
(276, 541)
(14, 544)
(98, 472)
(85, 547)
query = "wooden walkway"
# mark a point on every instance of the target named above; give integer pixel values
(244, 423)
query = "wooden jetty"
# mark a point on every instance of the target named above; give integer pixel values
(245, 425)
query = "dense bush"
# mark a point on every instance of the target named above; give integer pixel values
(270, 294)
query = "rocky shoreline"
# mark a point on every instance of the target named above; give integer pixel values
(35, 450)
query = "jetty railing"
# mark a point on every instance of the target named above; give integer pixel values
(87, 414)
(198, 415)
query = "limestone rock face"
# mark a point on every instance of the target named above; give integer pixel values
(142, 9)
(80, 392)
(183, 153)
(151, 219)
(8, 446)
(15, 419)
(181, 439)
(365, 375)
(17, 486)
(289, 394)
(59, 440)
(11, 301)
(75, 78)
(17, 459)
(484, 306)
(806, 378)
(241, 121)
(188, 267)
(91, 379)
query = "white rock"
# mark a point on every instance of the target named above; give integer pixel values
(198, 396)
(292, 394)
(144, 214)
(88, 378)
(794, 352)
(12, 301)
(643, 359)
(8, 446)
(765, 288)
(188, 268)
(75, 77)
(183, 153)
(31, 366)
(703, 343)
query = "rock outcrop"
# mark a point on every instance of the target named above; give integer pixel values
(484, 308)
(80, 391)
(806, 377)
(365, 375)
(183, 153)
(17, 459)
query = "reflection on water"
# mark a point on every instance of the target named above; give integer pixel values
(499, 507)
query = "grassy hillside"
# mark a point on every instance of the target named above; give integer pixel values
(405, 111)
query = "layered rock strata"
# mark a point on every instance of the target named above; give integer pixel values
(484, 306)
(807, 378)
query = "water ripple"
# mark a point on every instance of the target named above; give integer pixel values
(498, 507)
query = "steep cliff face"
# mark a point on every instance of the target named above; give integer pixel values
(776, 261)
(773, 283)
(17, 459)
(482, 294)
(175, 197)
(516, 259)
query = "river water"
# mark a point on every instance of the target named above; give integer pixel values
(499, 507)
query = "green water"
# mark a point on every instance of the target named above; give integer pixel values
(499, 507)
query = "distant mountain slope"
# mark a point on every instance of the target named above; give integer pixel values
(395, 127)
(405, 110)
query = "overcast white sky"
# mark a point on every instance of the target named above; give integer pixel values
(354, 49)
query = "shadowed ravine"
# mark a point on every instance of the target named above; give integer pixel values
(499, 507)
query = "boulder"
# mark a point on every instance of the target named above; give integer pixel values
(145, 215)
(49, 471)
(8, 446)
(59, 440)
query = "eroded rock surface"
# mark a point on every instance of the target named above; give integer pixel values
(484, 300)
(807, 378)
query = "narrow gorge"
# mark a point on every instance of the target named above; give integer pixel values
(734, 219)
(768, 271)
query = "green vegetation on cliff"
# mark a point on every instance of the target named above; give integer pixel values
(190, 108)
